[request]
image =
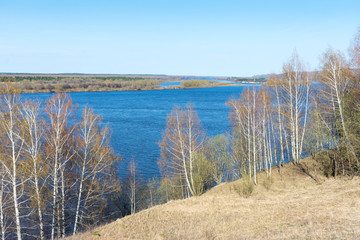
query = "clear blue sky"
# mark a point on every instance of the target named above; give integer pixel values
(189, 37)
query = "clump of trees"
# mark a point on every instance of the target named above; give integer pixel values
(181, 150)
(268, 127)
(337, 108)
(57, 171)
(296, 114)
(199, 83)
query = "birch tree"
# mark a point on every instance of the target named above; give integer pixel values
(355, 52)
(33, 134)
(59, 111)
(182, 139)
(4, 203)
(88, 138)
(276, 83)
(265, 130)
(244, 115)
(95, 167)
(336, 83)
(296, 91)
(2, 190)
(241, 119)
(53, 168)
(132, 186)
(3, 187)
(11, 161)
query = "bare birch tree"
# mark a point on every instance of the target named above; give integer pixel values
(245, 118)
(95, 167)
(240, 117)
(88, 139)
(52, 168)
(276, 83)
(4, 203)
(11, 124)
(182, 140)
(296, 91)
(336, 83)
(132, 186)
(355, 52)
(59, 111)
(33, 134)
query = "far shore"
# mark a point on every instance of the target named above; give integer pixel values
(56, 83)
(57, 89)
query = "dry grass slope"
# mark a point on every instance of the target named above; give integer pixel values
(295, 206)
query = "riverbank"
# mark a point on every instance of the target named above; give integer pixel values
(110, 87)
(291, 206)
(52, 83)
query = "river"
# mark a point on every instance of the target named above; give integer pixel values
(137, 118)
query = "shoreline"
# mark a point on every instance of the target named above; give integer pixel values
(130, 90)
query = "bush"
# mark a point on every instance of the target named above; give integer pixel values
(244, 188)
(202, 174)
(194, 83)
(268, 182)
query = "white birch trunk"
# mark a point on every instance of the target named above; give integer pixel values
(183, 156)
(79, 195)
(54, 194)
(254, 135)
(249, 139)
(30, 115)
(282, 161)
(14, 157)
(63, 226)
(2, 224)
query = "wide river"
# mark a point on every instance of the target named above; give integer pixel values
(137, 118)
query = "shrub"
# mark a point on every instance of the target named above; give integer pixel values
(244, 188)
(268, 182)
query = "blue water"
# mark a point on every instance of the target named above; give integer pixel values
(170, 84)
(137, 118)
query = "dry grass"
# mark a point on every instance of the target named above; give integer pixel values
(294, 207)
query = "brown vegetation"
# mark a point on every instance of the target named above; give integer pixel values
(204, 84)
(45, 83)
(87, 85)
(295, 206)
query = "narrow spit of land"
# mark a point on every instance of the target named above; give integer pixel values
(299, 204)
(48, 83)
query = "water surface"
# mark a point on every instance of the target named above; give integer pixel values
(137, 118)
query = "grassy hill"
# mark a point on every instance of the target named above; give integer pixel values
(297, 203)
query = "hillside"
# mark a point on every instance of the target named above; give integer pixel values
(295, 206)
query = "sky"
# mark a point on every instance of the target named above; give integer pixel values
(187, 37)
